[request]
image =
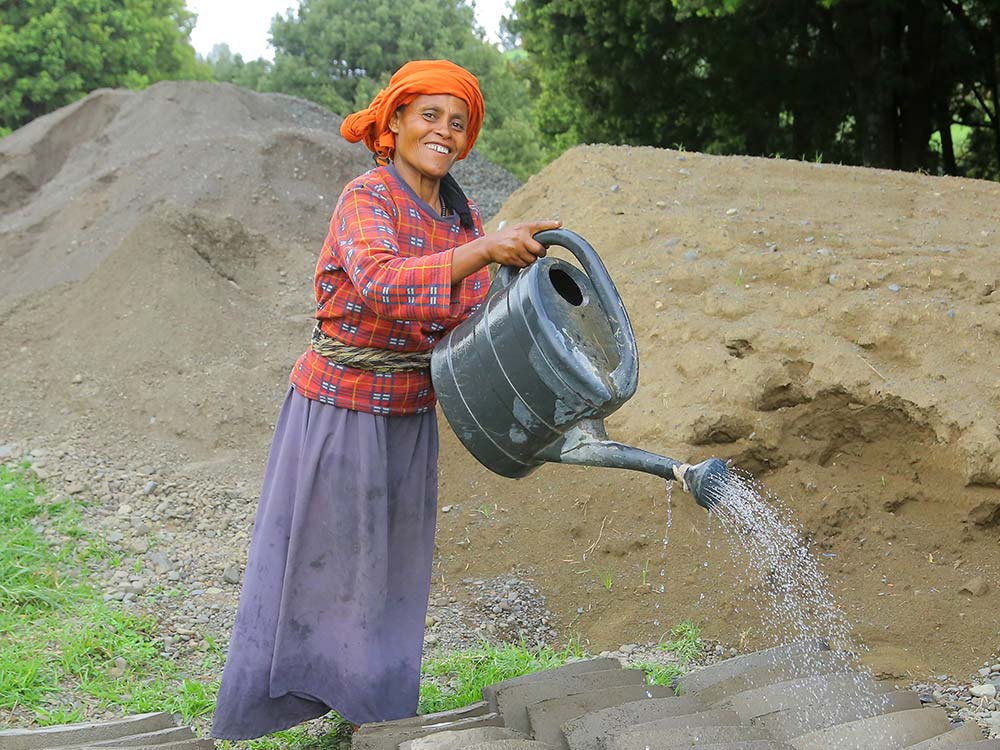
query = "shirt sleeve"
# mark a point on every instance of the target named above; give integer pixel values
(395, 285)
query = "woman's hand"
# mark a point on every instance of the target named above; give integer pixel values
(510, 246)
(516, 245)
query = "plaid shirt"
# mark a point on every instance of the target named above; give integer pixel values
(383, 279)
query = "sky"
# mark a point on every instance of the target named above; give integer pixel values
(244, 24)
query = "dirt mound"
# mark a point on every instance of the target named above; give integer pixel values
(829, 329)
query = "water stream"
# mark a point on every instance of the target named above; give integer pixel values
(794, 597)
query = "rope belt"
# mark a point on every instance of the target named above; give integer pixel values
(367, 357)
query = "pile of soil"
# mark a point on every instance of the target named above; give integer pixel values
(829, 329)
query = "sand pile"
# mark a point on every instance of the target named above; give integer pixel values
(830, 329)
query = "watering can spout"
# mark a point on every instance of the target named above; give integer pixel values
(587, 444)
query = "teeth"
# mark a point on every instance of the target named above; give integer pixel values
(436, 147)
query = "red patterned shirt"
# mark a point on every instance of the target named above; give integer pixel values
(383, 279)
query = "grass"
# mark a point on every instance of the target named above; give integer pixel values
(458, 679)
(59, 636)
(685, 641)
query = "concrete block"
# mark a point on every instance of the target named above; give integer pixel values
(700, 679)
(512, 700)
(84, 732)
(196, 744)
(159, 737)
(546, 718)
(967, 734)
(440, 717)
(589, 731)
(853, 687)
(794, 722)
(460, 739)
(390, 735)
(885, 731)
(571, 668)
(793, 667)
(738, 745)
(683, 737)
(981, 745)
(510, 745)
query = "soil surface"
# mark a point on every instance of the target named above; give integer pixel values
(831, 330)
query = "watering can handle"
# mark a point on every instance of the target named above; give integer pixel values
(626, 375)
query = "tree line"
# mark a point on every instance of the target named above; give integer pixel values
(900, 84)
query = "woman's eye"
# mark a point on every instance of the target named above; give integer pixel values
(458, 125)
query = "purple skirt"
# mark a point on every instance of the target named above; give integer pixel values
(332, 611)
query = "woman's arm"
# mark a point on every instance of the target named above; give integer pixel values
(513, 246)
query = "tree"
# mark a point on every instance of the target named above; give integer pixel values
(339, 53)
(230, 68)
(53, 52)
(859, 81)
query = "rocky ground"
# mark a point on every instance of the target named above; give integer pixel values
(829, 329)
(176, 546)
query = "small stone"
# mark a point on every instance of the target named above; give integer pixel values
(731, 212)
(893, 287)
(658, 305)
(77, 379)
(983, 691)
(149, 487)
(976, 586)
(431, 639)
(118, 668)
(231, 574)
(446, 509)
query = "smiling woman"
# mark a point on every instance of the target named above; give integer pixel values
(331, 615)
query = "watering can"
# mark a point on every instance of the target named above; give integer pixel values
(531, 375)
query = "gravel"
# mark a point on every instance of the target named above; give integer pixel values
(182, 540)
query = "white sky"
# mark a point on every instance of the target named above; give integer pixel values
(244, 24)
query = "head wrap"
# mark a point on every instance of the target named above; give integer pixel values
(417, 77)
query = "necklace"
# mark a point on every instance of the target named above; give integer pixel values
(444, 208)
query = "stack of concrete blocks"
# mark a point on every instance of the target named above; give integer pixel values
(155, 731)
(801, 696)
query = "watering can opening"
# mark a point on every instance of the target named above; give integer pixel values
(530, 376)
(565, 286)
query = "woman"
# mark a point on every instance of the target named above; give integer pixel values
(332, 611)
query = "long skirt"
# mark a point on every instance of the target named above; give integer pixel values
(332, 611)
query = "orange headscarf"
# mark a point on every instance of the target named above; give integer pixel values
(417, 77)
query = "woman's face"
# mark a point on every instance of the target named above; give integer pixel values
(430, 134)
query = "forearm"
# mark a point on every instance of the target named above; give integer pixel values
(469, 258)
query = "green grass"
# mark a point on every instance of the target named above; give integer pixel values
(57, 634)
(458, 679)
(660, 674)
(685, 641)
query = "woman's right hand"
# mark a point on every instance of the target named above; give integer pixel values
(510, 246)
(516, 245)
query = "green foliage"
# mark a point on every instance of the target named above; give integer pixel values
(57, 633)
(458, 679)
(231, 68)
(53, 52)
(339, 53)
(685, 641)
(867, 82)
(660, 674)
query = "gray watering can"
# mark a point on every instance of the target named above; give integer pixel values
(530, 376)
